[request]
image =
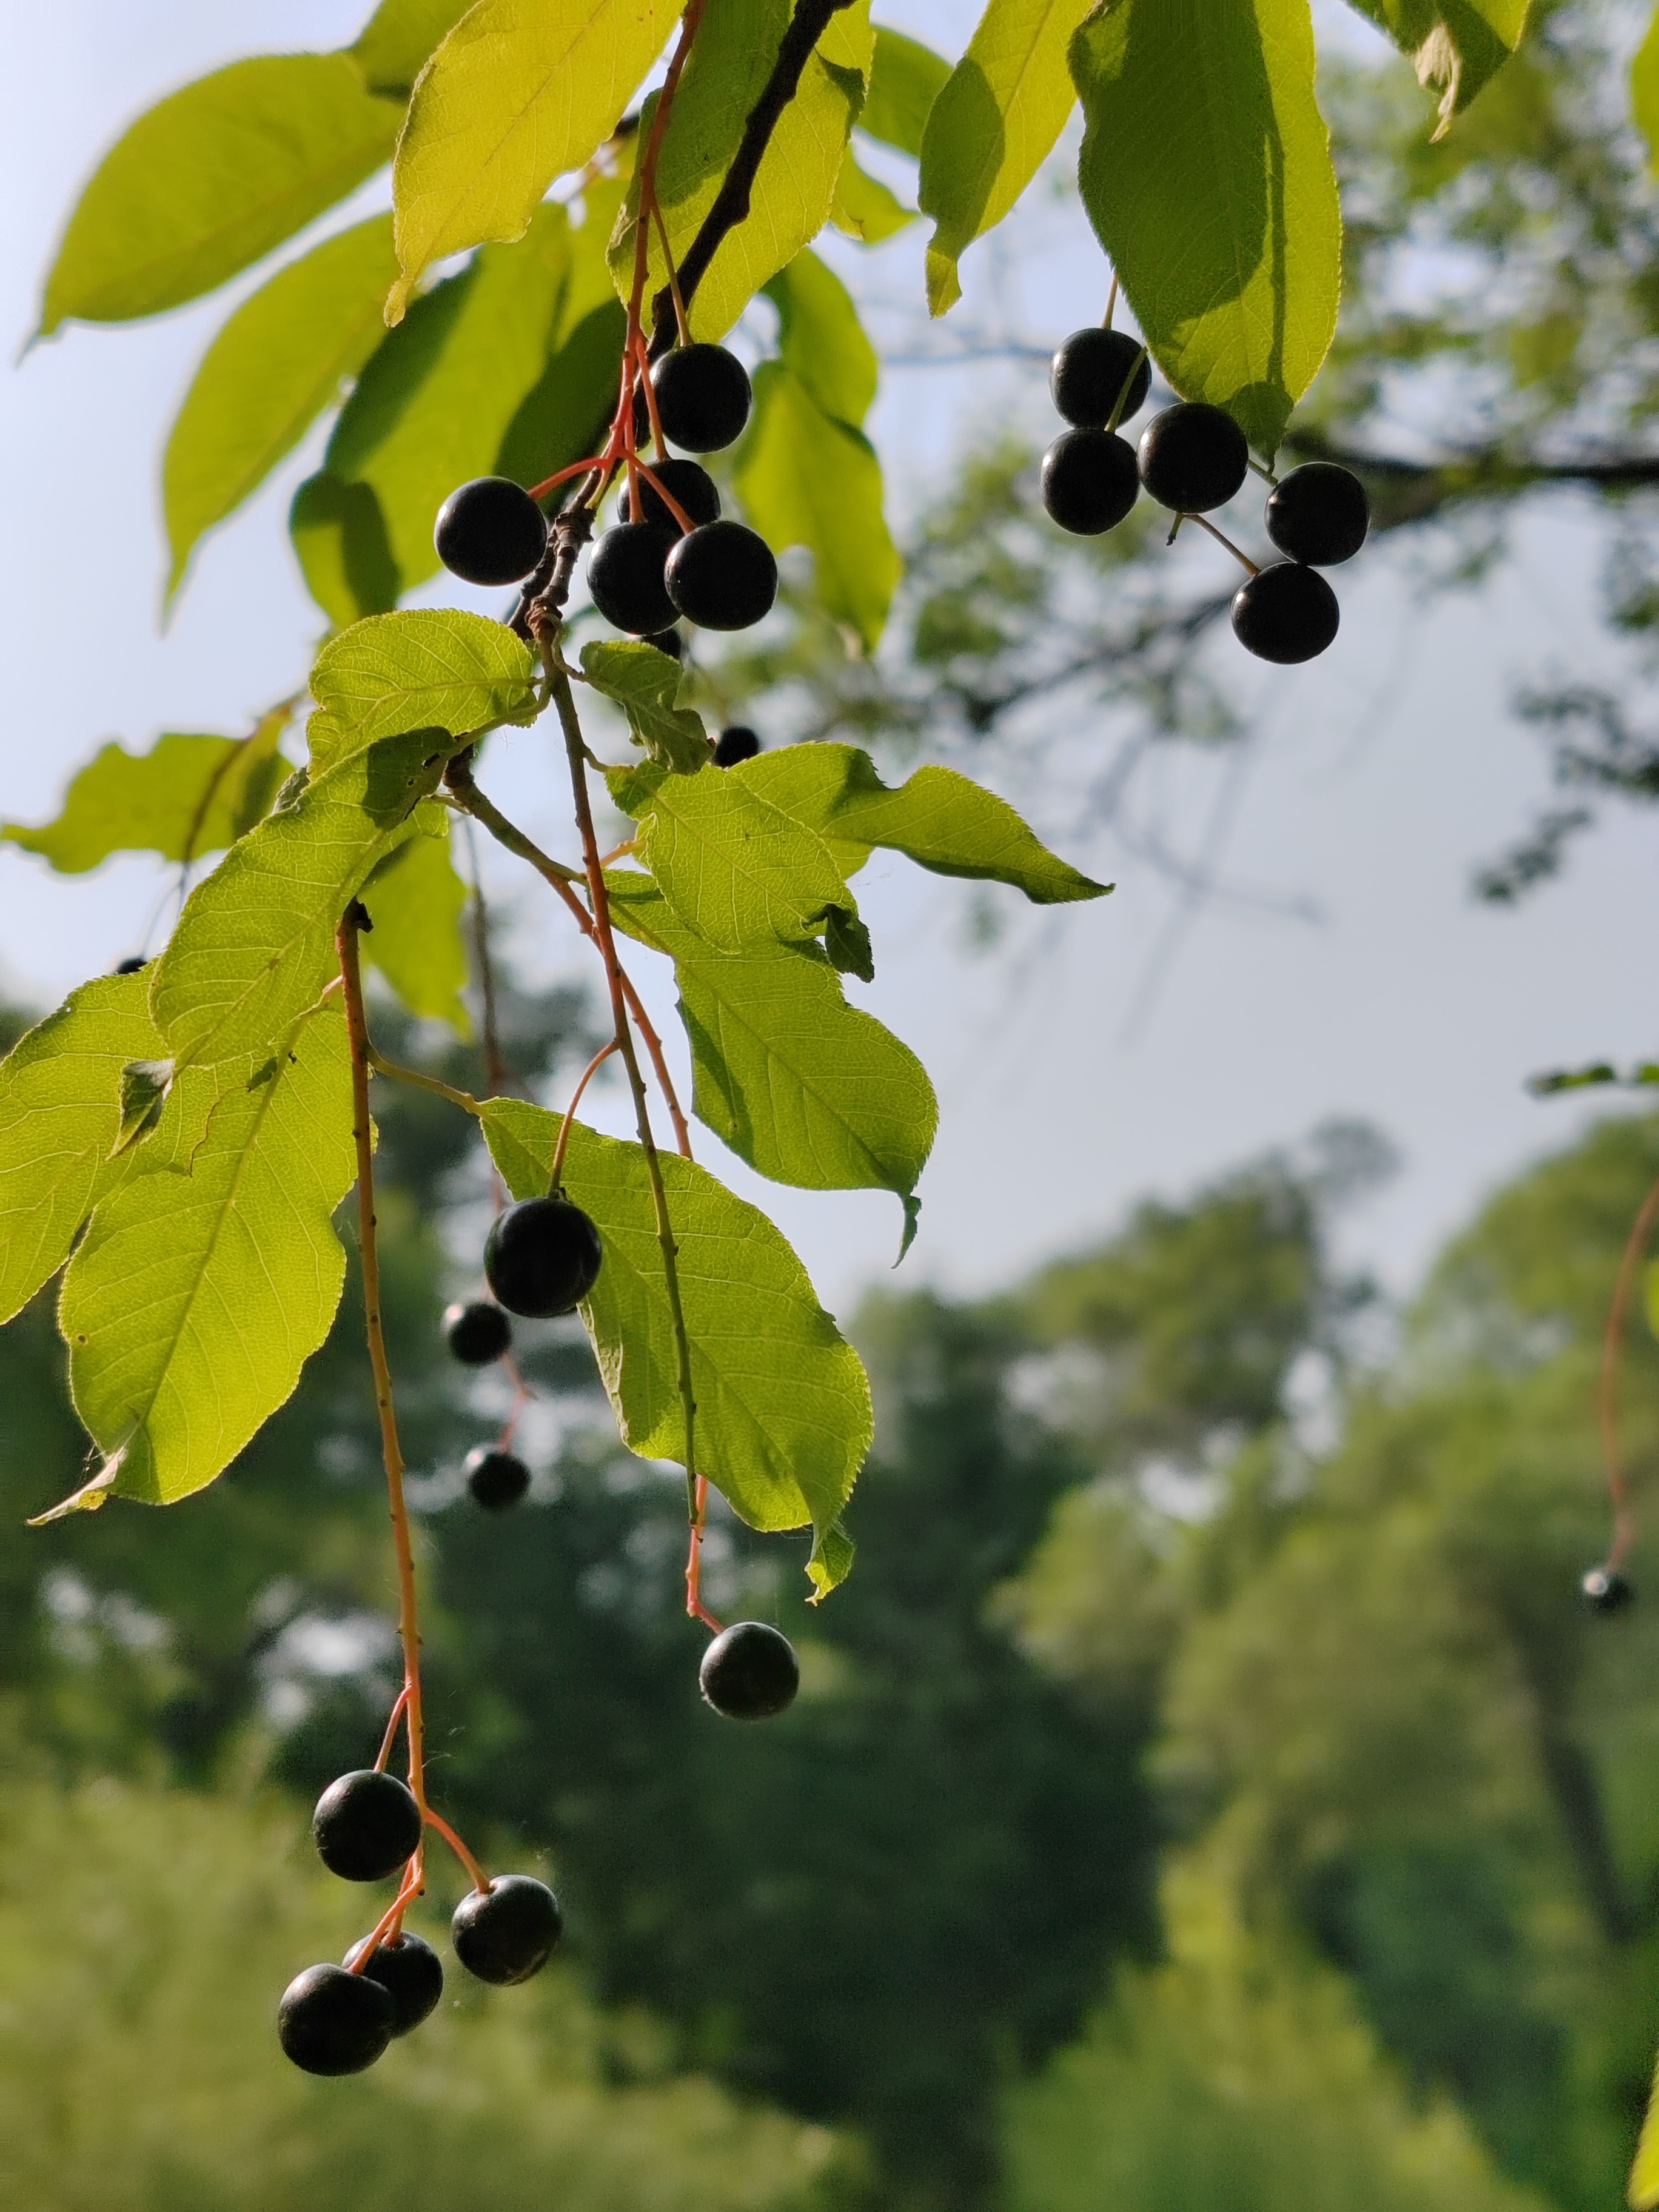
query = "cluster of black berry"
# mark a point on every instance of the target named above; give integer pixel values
(338, 2019)
(1192, 458)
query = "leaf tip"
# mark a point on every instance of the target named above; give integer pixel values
(912, 1206)
(89, 1497)
(944, 282)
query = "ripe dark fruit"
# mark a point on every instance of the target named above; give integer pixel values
(490, 532)
(667, 640)
(497, 1478)
(1089, 372)
(750, 1672)
(330, 2022)
(1319, 513)
(1285, 613)
(691, 485)
(1090, 481)
(541, 1257)
(738, 744)
(366, 1825)
(1606, 1590)
(409, 1972)
(1192, 456)
(478, 1333)
(722, 576)
(132, 965)
(624, 574)
(508, 1932)
(704, 397)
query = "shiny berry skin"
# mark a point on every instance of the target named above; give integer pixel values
(685, 481)
(476, 1334)
(722, 576)
(1090, 481)
(738, 744)
(495, 1479)
(1606, 1590)
(366, 1825)
(1319, 513)
(704, 397)
(132, 965)
(490, 532)
(409, 1972)
(508, 1932)
(330, 2022)
(1088, 375)
(624, 574)
(1192, 456)
(750, 1672)
(541, 1257)
(667, 640)
(1285, 613)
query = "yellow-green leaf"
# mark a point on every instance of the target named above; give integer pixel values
(822, 340)
(398, 38)
(439, 668)
(339, 539)
(415, 901)
(906, 78)
(1457, 47)
(863, 209)
(645, 682)
(1643, 2193)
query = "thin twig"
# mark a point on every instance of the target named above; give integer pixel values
(559, 1148)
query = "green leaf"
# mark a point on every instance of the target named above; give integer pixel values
(783, 1417)
(863, 207)
(847, 942)
(795, 185)
(1643, 2191)
(211, 178)
(186, 797)
(806, 479)
(992, 125)
(60, 1114)
(943, 821)
(821, 339)
(338, 534)
(644, 682)
(280, 360)
(1457, 47)
(397, 38)
(415, 901)
(424, 668)
(254, 947)
(1644, 101)
(1207, 172)
(434, 402)
(194, 1299)
(906, 78)
(563, 417)
(520, 91)
(807, 1089)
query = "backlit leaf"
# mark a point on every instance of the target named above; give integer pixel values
(863, 209)
(415, 901)
(644, 682)
(563, 415)
(1643, 2193)
(906, 78)
(209, 180)
(339, 536)
(1457, 47)
(821, 339)
(423, 668)
(397, 38)
(783, 1417)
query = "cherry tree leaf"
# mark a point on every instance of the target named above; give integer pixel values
(415, 901)
(644, 682)
(863, 209)
(423, 668)
(906, 78)
(399, 36)
(1456, 46)
(339, 540)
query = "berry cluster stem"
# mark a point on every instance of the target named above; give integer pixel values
(1624, 1523)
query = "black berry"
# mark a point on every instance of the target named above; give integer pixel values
(366, 1825)
(490, 532)
(624, 574)
(1285, 613)
(330, 2022)
(509, 1932)
(497, 1478)
(1319, 513)
(1090, 481)
(722, 576)
(541, 1257)
(750, 1672)
(478, 1333)
(1089, 374)
(1606, 1590)
(738, 744)
(409, 1972)
(1192, 456)
(667, 640)
(704, 397)
(132, 965)
(691, 485)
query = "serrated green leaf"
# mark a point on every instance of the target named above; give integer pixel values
(1207, 172)
(60, 1114)
(943, 822)
(339, 536)
(806, 479)
(415, 901)
(423, 668)
(186, 797)
(783, 1419)
(795, 185)
(254, 947)
(644, 682)
(992, 126)
(821, 339)
(520, 91)
(846, 943)
(906, 78)
(863, 209)
(397, 38)
(194, 1299)
(1456, 46)
(436, 400)
(211, 178)
(807, 1089)
(276, 364)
